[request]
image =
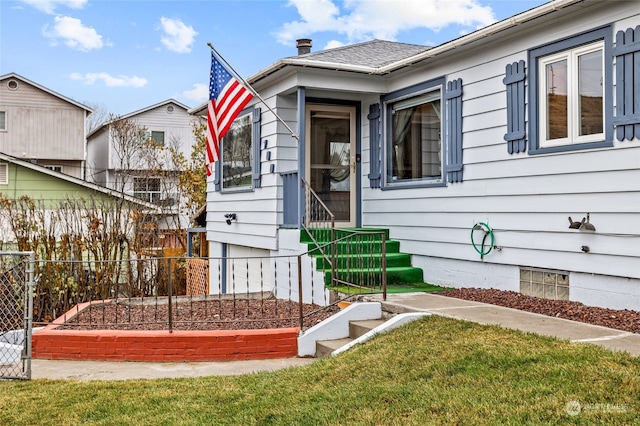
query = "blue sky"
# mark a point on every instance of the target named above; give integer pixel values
(126, 55)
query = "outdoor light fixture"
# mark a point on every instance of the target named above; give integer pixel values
(230, 217)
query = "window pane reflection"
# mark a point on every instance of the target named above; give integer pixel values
(590, 92)
(556, 92)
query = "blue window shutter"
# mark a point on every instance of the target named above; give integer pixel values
(514, 80)
(217, 175)
(290, 191)
(375, 159)
(453, 135)
(627, 54)
(256, 144)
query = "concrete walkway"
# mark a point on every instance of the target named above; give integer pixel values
(114, 370)
(482, 313)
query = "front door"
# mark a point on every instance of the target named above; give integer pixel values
(331, 159)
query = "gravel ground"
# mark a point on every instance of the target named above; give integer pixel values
(261, 314)
(625, 320)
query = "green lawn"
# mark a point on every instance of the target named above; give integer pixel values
(432, 371)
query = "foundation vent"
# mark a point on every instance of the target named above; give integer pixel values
(544, 283)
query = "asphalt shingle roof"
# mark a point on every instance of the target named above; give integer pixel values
(374, 53)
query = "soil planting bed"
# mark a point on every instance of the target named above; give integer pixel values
(197, 315)
(620, 319)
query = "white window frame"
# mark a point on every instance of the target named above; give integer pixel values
(422, 93)
(225, 184)
(153, 197)
(152, 133)
(4, 121)
(143, 136)
(573, 110)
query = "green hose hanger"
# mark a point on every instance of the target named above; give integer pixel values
(488, 232)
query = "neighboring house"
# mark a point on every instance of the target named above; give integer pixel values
(42, 126)
(19, 178)
(141, 169)
(493, 139)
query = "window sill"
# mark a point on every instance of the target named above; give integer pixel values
(412, 184)
(570, 147)
(236, 191)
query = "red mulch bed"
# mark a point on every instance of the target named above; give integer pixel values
(198, 315)
(620, 319)
(273, 313)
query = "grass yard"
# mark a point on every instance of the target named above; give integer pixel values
(432, 371)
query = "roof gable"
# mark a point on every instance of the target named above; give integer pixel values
(88, 185)
(158, 105)
(44, 89)
(136, 113)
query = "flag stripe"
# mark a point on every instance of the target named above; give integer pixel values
(227, 99)
(229, 103)
(240, 99)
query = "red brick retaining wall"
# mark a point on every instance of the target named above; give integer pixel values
(180, 346)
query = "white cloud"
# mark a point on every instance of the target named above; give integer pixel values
(178, 37)
(383, 19)
(333, 44)
(74, 34)
(108, 80)
(200, 92)
(49, 6)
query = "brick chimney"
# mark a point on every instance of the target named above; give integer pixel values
(303, 45)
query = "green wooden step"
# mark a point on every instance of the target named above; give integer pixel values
(395, 275)
(373, 259)
(359, 259)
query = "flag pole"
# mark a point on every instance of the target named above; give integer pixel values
(239, 77)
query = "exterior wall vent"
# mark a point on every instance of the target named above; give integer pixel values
(170, 109)
(544, 283)
(4, 173)
(12, 85)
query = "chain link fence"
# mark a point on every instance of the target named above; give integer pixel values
(16, 312)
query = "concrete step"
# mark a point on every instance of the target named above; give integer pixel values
(324, 348)
(359, 328)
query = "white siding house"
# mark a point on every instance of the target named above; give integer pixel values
(42, 126)
(169, 125)
(473, 153)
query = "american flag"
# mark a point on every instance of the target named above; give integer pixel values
(227, 98)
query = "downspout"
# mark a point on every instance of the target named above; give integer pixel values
(358, 187)
(15, 181)
(189, 242)
(83, 171)
(301, 151)
(223, 270)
